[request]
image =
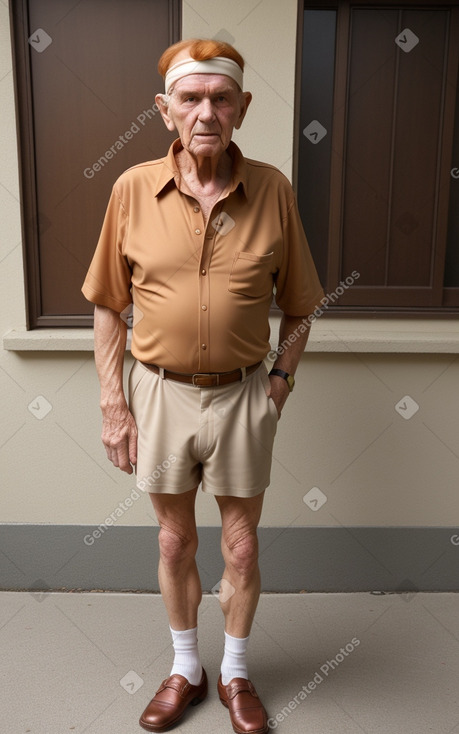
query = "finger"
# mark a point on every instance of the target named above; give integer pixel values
(133, 447)
(112, 454)
(123, 457)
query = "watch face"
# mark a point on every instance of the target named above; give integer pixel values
(290, 382)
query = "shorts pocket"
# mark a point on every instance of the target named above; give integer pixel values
(267, 386)
(251, 275)
(136, 376)
(272, 406)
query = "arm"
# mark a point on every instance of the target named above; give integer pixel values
(119, 432)
(288, 360)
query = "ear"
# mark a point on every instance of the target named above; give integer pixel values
(164, 110)
(246, 99)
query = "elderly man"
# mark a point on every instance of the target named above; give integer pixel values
(198, 241)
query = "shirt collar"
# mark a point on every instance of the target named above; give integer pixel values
(170, 170)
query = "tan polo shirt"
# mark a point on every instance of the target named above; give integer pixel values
(202, 293)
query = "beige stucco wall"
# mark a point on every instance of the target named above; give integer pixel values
(340, 431)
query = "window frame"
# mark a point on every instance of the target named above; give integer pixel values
(450, 296)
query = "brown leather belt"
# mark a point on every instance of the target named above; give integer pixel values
(204, 379)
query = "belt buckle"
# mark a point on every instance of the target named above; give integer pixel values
(206, 375)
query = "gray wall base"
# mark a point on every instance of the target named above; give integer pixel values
(315, 559)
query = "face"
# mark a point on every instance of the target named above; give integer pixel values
(205, 109)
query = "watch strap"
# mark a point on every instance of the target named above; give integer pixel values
(279, 373)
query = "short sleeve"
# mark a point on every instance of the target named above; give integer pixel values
(108, 280)
(298, 289)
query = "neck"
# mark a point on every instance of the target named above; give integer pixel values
(205, 171)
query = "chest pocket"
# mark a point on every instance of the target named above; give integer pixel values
(251, 274)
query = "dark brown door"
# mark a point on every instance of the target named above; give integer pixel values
(86, 80)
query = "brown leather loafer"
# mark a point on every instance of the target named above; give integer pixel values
(170, 701)
(246, 711)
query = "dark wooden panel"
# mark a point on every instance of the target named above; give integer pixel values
(313, 178)
(391, 189)
(451, 274)
(396, 142)
(338, 145)
(388, 296)
(417, 140)
(91, 99)
(369, 144)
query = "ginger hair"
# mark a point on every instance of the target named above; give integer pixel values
(201, 49)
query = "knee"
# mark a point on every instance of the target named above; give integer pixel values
(176, 547)
(242, 553)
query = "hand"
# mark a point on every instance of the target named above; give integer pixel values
(279, 392)
(119, 436)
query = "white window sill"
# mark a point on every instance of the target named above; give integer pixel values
(327, 335)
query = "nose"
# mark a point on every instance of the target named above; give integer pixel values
(206, 110)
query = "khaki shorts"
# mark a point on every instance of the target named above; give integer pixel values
(220, 436)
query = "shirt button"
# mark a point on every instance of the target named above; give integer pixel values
(197, 231)
(204, 308)
(203, 346)
(196, 209)
(203, 272)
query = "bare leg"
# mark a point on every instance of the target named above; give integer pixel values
(177, 573)
(240, 518)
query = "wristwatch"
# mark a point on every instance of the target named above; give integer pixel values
(290, 380)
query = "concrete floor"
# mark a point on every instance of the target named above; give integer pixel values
(90, 662)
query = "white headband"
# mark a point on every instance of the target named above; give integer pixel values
(217, 65)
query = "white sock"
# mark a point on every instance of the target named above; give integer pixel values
(186, 659)
(234, 659)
